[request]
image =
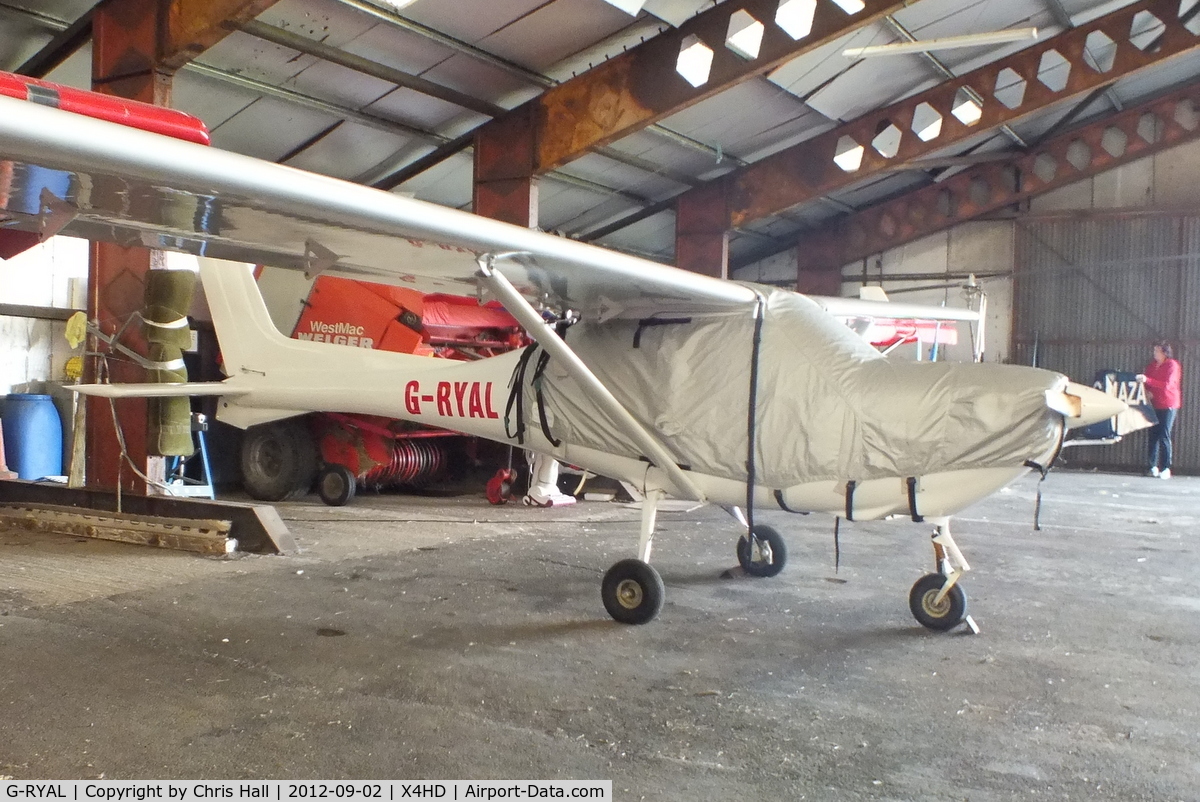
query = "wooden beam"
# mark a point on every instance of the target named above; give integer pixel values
(37, 312)
(257, 527)
(183, 534)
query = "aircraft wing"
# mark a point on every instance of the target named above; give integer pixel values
(67, 173)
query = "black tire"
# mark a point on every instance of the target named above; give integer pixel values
(760, 567)
(279, 460)
(336, 485)
(947, 615)
(632, 592)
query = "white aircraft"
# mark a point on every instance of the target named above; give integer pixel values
(683, 385)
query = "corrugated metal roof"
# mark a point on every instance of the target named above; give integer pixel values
(746, 119)
(483, 19)
(555, 31)
(273, 102)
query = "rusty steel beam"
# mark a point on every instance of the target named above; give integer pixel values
(1149, 128)
(1009, 89)
(641, 86)
(139, 44)
(193, 26)
(125, 39)
(702, 239)
(505, 186)
(125, 52)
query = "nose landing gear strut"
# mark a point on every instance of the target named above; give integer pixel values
(936, 600)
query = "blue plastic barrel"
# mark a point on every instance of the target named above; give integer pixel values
(32, 436)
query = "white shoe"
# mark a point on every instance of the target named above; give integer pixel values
(1153, 472)
(543, 483)
(550, 500)
(1165, 474)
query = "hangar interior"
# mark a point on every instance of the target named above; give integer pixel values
(1055, 172)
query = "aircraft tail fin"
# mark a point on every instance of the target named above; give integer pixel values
(248, 338)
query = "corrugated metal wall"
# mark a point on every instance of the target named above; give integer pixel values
(1096, 293)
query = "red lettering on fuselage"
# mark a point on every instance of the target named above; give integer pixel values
(460, 390)
(472, 399)
(475, 404)
(412, 401)
(487, 398)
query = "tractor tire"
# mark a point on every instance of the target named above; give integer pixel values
(279, 460)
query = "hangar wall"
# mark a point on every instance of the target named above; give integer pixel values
(1134, 277)
(51, 274)
(1096, 292)
(1095, 271)
(929, 271)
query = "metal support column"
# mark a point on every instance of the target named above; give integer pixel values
(702, 233)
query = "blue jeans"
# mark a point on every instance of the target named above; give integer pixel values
(1160, 438)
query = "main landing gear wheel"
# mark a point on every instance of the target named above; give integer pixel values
(768, 558)
(336, 485)
(632, 592)
(930, 613)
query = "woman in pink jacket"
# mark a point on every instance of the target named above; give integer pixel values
(1163, 378)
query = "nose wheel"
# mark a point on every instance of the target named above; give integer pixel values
(934, 609)
(936, 600)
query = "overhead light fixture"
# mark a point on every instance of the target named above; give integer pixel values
(945, 43)
(393, 5)
(630, 7)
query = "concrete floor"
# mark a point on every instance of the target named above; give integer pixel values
(431, 639)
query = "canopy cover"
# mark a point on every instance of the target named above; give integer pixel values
(829, 405)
